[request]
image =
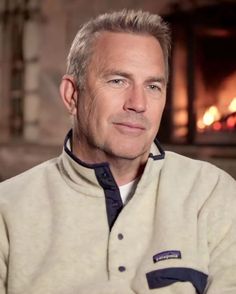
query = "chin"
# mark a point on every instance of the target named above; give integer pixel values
(128, 153)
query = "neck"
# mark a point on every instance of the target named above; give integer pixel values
(123, 170)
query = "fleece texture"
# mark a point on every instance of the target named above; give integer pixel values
(177, 235)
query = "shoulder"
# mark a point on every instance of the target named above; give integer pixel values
(28, 181)
(176, 158)
(198, 175)
(202, 185)
(193, 166)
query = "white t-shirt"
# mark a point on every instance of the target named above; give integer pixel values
(127, 190)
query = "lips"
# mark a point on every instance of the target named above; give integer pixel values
(127, 128)
(131, 125)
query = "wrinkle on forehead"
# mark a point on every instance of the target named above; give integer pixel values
(129, 53)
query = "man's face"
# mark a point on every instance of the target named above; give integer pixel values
(120, 108)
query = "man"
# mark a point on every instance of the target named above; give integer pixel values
(115, 213)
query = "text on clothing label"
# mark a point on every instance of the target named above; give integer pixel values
(172, 254)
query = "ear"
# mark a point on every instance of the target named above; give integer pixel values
(69, 93)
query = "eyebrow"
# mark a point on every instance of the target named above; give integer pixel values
(160, 80)
(127, 75)
(117, 73)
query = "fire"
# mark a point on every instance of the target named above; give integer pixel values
(216, 120)
(232, 105)
(212, 114)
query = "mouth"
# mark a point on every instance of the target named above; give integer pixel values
(130, 128)
(131, 125)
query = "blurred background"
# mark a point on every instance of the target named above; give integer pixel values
(200, 116)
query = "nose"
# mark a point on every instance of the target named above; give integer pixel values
(135, 100)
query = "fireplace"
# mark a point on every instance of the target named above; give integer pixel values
(216, 86)
(201, 107)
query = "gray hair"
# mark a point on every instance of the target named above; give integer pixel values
(130, 21)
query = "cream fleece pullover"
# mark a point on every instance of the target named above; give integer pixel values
(177, 235)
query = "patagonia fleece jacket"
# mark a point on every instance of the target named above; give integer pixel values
(64, 229)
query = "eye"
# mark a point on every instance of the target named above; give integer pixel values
(154, 87)
(118, 83)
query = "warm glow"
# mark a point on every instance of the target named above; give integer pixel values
(218, 121)
(200, 124)
(232, 106)
(212, 114)
(219, 118)
(230, 122)
(217, 126)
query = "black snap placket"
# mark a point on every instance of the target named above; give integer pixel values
(113, 199)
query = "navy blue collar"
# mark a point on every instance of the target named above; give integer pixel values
(68, 137)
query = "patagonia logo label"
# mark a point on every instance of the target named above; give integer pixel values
(172, 254)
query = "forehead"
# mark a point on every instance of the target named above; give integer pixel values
(127, 49)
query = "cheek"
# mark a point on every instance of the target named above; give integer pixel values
(87, 105)
(156, 111)
(95, 115)
(106, 104)
(84, 113)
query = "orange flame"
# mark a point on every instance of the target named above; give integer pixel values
(212, 116)
(232, 105)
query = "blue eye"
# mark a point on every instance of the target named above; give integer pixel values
(154, 87)
(116, 81)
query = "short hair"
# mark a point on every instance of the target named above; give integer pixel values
(130, 21)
